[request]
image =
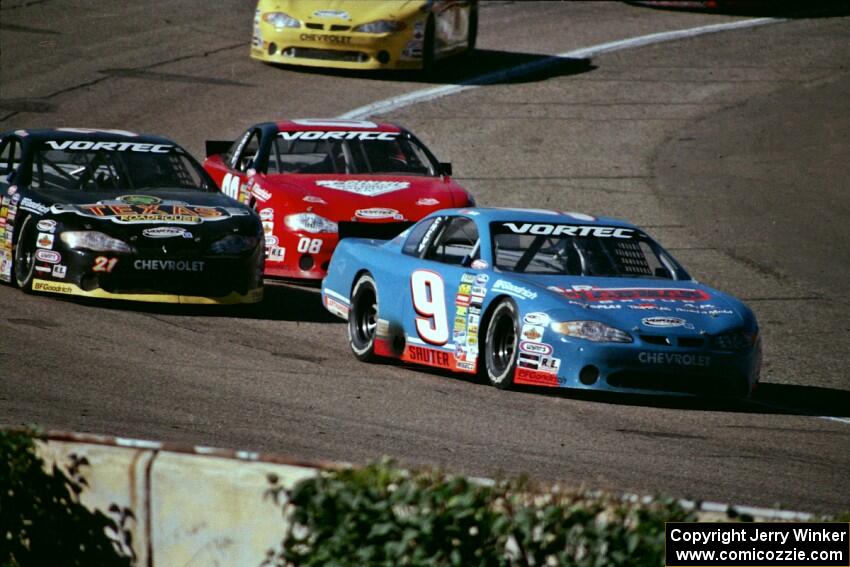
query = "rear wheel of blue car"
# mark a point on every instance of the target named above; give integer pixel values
(24, 260)
(500, 345)
(363, 318)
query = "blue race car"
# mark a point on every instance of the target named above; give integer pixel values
(545, 299)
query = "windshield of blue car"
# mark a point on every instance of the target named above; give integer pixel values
(576, 250)
(395, 154)
(85, 165)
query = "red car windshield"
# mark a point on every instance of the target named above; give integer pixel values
(394, 154)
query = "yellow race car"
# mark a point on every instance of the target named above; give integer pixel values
(363, 34)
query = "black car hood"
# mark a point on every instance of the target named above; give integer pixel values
(187, 196)
(159, 206)
(149, 214)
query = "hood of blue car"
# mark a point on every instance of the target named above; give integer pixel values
(643, 305)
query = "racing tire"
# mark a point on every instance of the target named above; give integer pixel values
(429, 47)
(501, 344)
(23, 263)
(363, 318)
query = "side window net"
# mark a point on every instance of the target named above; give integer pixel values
(458, 243)
(411, 245)
(10, 157)
(249, 153)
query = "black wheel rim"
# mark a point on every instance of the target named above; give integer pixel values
(24, 257)
(502, 344)
(365, 317)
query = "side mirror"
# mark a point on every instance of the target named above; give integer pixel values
(216, 147)
(446, 168)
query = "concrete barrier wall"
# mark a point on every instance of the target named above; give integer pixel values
(209, 511)
(197, 506)
(193, 506)
(115, 476)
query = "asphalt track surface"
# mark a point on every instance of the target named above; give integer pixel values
(731, 148)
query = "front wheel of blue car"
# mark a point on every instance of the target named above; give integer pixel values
(363, 318)
(500, 346)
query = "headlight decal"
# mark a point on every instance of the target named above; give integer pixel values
(735, 341)
(310, 222)
(233, 244)
(381, 26)
(594, 331)
(94, 241)
(281, 20)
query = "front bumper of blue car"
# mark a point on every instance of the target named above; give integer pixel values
(642, 367)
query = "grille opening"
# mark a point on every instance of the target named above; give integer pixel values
(326, 54)
(89, 282)
(691, 342)
(337, 27)
(214, 283)
(662, 382)
(704, 384)
(305, 262)
(589, 375)
(656, 340)
(315, 26)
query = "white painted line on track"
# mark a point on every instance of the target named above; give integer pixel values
(832, 418)
(411, 98)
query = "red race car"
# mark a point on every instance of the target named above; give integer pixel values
(315, 181)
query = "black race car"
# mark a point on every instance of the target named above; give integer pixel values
(119, 215)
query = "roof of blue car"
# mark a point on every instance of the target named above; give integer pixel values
(538, 216)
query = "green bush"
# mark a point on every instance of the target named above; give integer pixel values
(379, 515)
(42, 521)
